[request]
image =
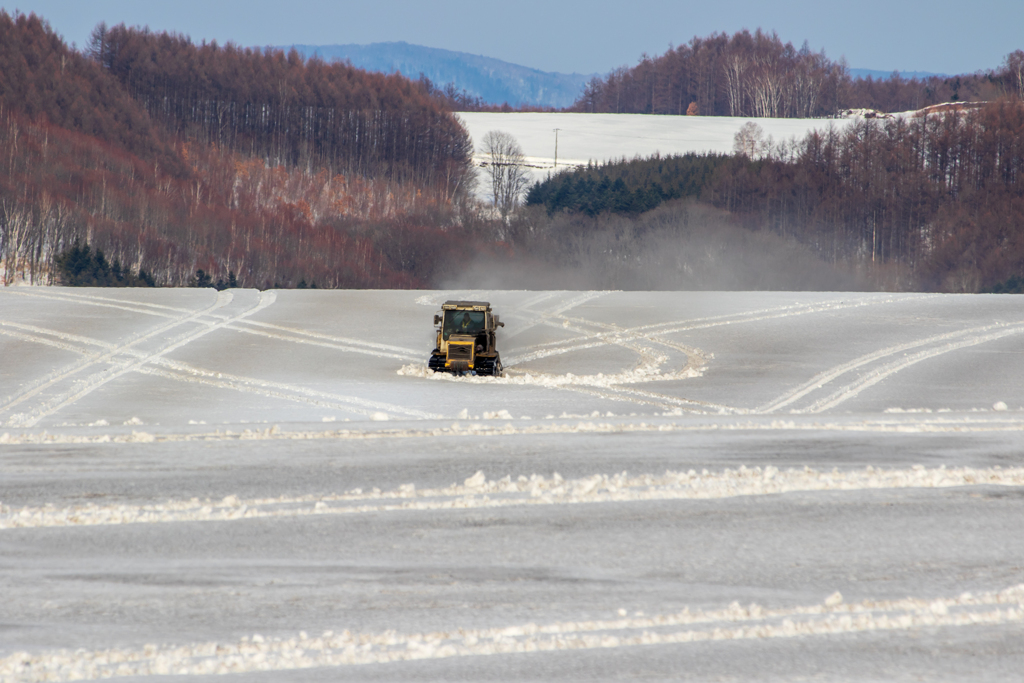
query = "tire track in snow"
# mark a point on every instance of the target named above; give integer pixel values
(477, 492)
(222, 300)
(653, 333)
(577, 301)
(291, 334)
(647, 369)
(108, 302)
(648, 366)
(632, 338)
(96, 381)
(641, 330)
(538, 299)
(41, 334)
(955, 341)
(185, 372)
(79, 297)
(526, 308)
(658, 329)
(819, 380)
(52, 341)
(770, 313)
(600, 385)
(296, 336)
(537, 317)
(832, 617)
(876, 376)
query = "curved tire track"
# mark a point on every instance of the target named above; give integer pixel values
(852, 389)
(876, 376)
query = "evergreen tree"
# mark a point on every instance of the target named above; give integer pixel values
(144, 276)
(80, 266)
(201, 279)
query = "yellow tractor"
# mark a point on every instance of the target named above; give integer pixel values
(466, 339)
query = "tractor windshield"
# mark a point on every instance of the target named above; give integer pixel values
(462, 322)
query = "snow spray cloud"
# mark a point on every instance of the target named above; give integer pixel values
(680, 245)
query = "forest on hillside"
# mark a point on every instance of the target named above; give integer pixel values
(757, 75)
(174, 157)
(284, 109)
(146, 159)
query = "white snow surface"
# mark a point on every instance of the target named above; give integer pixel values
(584, 138)
(748, 486)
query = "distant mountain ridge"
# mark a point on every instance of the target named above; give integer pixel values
(492, 80)
(880, 75)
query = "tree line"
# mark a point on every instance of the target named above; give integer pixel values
(627, 186)
(757, 75)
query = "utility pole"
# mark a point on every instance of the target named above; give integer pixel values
(556, 146)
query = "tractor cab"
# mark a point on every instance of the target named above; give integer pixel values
(466, 339)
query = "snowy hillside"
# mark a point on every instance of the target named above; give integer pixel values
(749, 486)
(604, 137)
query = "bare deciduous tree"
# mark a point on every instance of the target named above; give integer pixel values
(506, 168)
(735, 68)
(1015, 68)
(749, 141)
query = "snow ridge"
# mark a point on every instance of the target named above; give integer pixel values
(832, 617)
(479, 492)
(893, 422)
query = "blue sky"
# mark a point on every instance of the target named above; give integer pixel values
(585, 36)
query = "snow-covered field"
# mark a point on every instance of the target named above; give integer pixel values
(606, 137)
(710, 486)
